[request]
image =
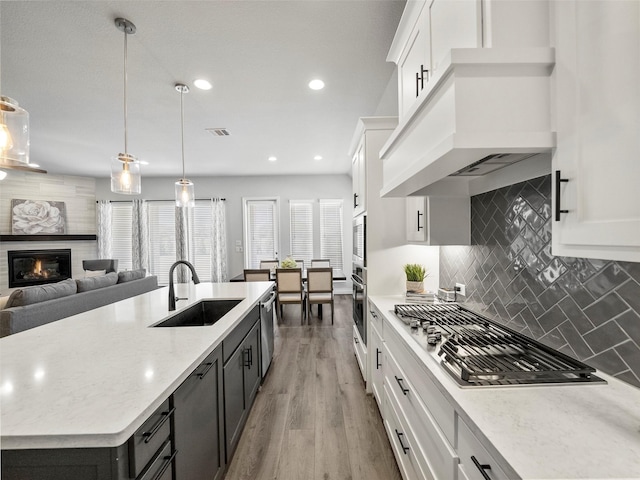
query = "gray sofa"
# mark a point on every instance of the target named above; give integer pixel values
(31, 307)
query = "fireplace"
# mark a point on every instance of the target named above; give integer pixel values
(37, 267)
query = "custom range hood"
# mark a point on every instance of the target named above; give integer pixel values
(483, 109)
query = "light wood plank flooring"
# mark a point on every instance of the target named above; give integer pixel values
(312, 419)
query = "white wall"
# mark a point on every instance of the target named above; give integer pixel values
(78, 193)
(311, 187)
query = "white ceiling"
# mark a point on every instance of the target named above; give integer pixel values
(63, 62)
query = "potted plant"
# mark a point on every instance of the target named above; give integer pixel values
(415, 277)
(288, 263)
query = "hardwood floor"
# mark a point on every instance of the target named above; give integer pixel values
(312, 419)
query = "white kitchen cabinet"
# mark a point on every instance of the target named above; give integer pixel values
(436, 220)
(377, 354)
(488, 90)
(359, 180)
(598, 121)
(360, 350)
(474, 458)
(415, 62)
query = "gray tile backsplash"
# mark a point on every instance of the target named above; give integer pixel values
(589, 309)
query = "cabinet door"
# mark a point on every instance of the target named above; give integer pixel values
(414, 65)
(598, 124)
(234, 398)
(416, 219)
(359, 181)
(453, 25)
(198, 423)
(252, 365)
(377, 375)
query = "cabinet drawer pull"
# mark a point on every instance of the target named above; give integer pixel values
(373, 314)
(250, 356)
(355, 339)
(481, 467)
(378, 364)
(247, 361)
(559, 180)
(418, 223)
(169, 461)
(355, 200)
(404, 390)
(417, 83)
(205, 371)
(400, 434)
(165, 416)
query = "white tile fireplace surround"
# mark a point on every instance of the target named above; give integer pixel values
(78, 194)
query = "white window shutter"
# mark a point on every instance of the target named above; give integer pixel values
(301, 230)
(331, 232)
(121, 234)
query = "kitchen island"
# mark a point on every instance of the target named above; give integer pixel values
(567, 431)
(92, 380)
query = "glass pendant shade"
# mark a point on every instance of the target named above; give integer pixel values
(185, 193)
(14, 133)
(125, 175)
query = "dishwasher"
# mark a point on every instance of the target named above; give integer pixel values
(267, 311)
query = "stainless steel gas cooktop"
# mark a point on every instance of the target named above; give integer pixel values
(479, 352)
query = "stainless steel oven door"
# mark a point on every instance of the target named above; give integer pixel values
(360, 240)
(358, 279)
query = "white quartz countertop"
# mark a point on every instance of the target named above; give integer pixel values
(588, 431)
(91, 380)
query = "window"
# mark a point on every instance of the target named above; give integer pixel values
(301, 234)
(261, 228)
(200, 223)
(331, 232)
(162, 239)
(121, 234)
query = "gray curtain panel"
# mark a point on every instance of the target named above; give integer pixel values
(140, 235)
(182, 242)
(218, 241)
(103, 220)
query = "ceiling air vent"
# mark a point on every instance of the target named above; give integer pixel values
(218, 132)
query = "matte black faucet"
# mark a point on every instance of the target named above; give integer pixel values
(172, 295)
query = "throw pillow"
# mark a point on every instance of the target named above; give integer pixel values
(94, 273)
(129, 275)
(93, 283)
(41, 293)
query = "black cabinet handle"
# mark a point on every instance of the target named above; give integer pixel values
(420, 78)
(169, 461)
(400, 434)
(404, 390)
(250, 356)
(481, 467)
(559, 210)
(355, 200)
(202, 374)
(165, 416)
(378, 364)
(373, 314)
(417, 83)
(419, 215)
(355, 339)
(247, 362)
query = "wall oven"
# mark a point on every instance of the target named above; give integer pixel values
(359, 281)
(360, 240)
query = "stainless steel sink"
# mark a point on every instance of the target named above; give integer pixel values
(205, 312)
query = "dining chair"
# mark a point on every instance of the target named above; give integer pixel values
(257, 275)
(270, 264)
(320, 262)
(290, 290)
(320, 287)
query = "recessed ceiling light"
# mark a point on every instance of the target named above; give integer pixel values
(143, 162)
(33, 165)
(317, 157)
(3, 174)
(202, 84)
(316, 84)
(272, 159)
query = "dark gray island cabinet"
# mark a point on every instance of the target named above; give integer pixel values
(191, 436)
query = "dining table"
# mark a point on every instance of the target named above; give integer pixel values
(338, 275)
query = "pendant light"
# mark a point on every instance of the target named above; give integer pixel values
(125, 168)
(185, 194)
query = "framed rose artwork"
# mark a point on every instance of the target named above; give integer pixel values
(37, 217)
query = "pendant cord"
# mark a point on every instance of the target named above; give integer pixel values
(182, 128)
(125, 92)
